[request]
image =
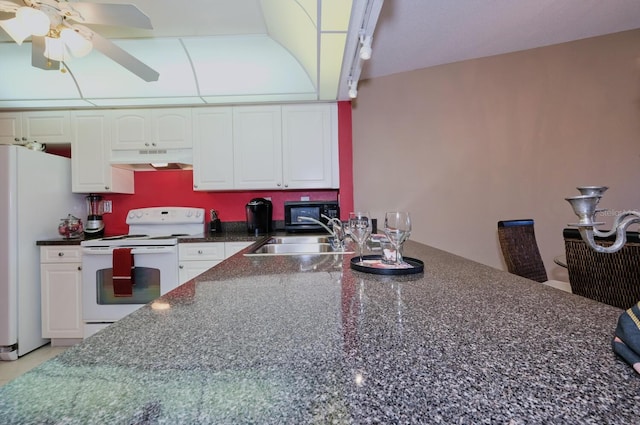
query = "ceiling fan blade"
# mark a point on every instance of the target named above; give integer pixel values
(124, 58)
(122, 15)
(38, 59)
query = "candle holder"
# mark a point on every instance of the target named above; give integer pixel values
(585, 207)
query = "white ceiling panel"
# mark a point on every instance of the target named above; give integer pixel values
(20, 81)
(100, 77)
(245, 65)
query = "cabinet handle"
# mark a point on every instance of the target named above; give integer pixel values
(79, 268)
(153, 144)
(24, 139)
(181, 266)
(195, 186)
(61, 254)
(286, 185)
(17, 139)
(106, 187)
(279, 185)
(199, 251)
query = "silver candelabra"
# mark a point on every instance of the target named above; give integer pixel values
(585, 207)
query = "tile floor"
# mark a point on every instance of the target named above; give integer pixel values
(12, 369)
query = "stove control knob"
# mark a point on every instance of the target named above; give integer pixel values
(131, 214)
(189, 213)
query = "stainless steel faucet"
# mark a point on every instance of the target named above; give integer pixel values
(338, 232)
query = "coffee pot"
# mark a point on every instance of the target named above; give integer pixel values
(215, 226)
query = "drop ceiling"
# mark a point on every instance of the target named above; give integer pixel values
(253, 51)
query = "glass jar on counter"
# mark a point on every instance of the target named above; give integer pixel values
(70, 227)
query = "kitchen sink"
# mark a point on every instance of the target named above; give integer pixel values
(299, 240)
(297, 245)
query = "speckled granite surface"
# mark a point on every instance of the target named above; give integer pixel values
(296, 340)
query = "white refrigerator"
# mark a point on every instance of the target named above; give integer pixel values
(35, 193)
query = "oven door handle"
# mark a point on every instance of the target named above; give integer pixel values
(134, 251)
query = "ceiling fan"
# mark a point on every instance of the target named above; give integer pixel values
(55, 27)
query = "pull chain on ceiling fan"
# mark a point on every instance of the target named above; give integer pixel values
(50, 24)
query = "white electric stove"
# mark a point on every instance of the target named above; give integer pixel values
(152, 241)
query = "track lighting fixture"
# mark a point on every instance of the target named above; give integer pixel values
(365, 47)
(353, 89)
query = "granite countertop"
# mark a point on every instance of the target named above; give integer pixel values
(306, 339)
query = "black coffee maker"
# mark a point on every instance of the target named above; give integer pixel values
(259, 216)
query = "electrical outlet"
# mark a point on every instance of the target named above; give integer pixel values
(107, 207)
(304, 198)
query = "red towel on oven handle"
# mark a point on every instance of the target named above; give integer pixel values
(122, 272)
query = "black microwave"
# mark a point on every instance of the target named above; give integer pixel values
(297, 214)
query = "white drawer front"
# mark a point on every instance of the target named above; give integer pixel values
(60, 254)
(201, 251)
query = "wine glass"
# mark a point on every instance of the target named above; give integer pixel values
(360, 229)
(397, 228)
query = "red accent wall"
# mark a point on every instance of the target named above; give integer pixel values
(175, 188)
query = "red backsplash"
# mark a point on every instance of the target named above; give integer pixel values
(175, 188)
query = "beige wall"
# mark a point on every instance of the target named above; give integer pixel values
(464, 145)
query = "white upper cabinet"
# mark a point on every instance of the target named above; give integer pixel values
(213, 148)
(257, 147)
(265, 147)
(309, 133)
(52, 127)
(151, 129)
(90, 153)
(11, 127)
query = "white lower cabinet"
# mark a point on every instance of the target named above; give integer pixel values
(231, 248)
(197, 258)
(61, 291)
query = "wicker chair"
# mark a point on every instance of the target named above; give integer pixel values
(520, 249)
(609, 278)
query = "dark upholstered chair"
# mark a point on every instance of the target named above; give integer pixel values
(609, 278)
(520, 249)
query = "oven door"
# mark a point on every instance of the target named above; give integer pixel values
(155, 273)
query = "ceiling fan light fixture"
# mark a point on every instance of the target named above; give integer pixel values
(36, 21)
(76, 43)
(55, 49)
(16, 30)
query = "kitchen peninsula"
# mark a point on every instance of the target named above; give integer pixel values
(306, 339)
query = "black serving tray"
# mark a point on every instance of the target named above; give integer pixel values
(417, 266)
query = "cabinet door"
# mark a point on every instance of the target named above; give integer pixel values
(307, 146)
(213, 148)
(190, 269)
(171, 128)
(257, 149)
(61, 300)
(10, 128)
(231, 248)
(47, 126)
(90, 153)
(131, 129)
